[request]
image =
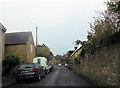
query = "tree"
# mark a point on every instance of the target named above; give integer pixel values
(113, 13)
(44, 51)
(106, 24)
(79, 42)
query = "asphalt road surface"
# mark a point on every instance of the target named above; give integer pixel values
(61, 76)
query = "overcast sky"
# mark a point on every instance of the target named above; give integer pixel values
(60, 22)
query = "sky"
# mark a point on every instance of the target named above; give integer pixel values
(59, 22)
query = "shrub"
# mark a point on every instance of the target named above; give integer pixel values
(9, 62)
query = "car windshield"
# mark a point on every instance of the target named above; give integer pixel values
(26, 66)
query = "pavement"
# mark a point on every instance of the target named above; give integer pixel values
(6, 82)
(61, 76)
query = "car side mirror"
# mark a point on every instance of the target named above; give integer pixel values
(42, 67)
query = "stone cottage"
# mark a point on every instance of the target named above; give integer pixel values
(21, 44)
(73, 56)
(54, 61)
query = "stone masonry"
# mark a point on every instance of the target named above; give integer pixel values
(25, 51)
(102, 67)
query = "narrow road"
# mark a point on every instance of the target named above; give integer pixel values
(61, 76)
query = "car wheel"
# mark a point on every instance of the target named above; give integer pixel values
(46, 72)
(39, 77)
(50, 69)
(43, 75)
(17, 80)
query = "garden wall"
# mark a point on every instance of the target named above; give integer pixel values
(102, 66)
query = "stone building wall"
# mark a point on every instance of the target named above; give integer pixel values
(58, 61)
(3, 45)
(30, 49)
(19, 50)
(54, 61)
(102, 67)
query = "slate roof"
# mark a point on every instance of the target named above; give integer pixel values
(2, 28)
(16, 38)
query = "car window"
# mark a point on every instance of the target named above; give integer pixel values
(37, 65)
(26, 66)
(38, 60)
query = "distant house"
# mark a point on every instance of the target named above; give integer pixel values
(70, 52)
(58, 58)
(54, 61)
(73, 56)
(21, 44)
(2, 41)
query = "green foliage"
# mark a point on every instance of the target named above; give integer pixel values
(44, 51)
(104, 31)
(104, 26)
(113, 6)
(9, 62)
(79, 42)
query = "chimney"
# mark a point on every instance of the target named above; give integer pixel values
(75, 47)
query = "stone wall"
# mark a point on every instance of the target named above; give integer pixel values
(20, 50)
(101, 67)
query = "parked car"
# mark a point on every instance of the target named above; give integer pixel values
(66, 65)
(59, 65)
(32, 70)
(51, 66)
(42, 61)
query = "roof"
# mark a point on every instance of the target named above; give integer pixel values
(75, 51)
(2, 28)
(58, 57)
(17, 38)
(70, 52)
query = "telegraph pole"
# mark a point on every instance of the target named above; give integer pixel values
(36, 39)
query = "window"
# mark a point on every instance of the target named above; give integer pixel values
(31, 48)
